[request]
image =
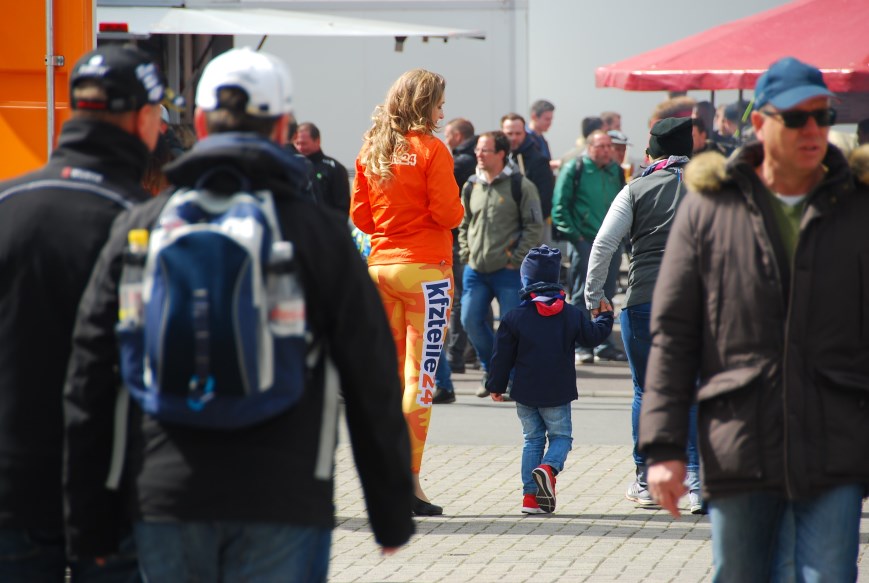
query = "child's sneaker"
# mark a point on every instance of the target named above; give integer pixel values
(529, 505)
(545, 479)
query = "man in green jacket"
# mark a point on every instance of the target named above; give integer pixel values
(579, 205)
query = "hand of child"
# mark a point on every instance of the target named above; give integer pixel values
(498, 397)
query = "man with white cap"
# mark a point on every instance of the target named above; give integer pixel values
(759, 314)
(253, 503)
(620, 145)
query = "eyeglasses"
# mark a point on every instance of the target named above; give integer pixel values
(795, 119)
(479, 151)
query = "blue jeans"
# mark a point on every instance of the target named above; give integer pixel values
(443, 374)
(232, 551)
(578, 253)
(638, 343)
(478, 291)
(39, 555)
(747, 532)
(537, 424)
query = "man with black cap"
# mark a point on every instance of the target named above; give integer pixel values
(644, 210)
(253, 503)
(743, 324)
(53, 223)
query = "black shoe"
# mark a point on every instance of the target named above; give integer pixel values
(611, 354)
(443, 396)
(423, 508)
(457, 367)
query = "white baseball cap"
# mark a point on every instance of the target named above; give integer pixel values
(618, 138)
(262, 76)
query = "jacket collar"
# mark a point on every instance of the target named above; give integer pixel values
(263, 163)
(103, 148)
(509, 169)
(837, 178)
(466, 147)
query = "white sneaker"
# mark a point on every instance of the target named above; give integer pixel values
(638, 494)
(695, 502)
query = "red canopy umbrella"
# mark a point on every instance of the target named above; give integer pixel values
(829, 34)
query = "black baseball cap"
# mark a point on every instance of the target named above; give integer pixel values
(671, 136)
(126, 73)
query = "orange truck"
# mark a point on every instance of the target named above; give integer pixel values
(43, 41)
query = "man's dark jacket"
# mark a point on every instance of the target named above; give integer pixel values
(464, 161)
(53, 223)
(778, 357)
(264, 473)
(536, 168)
(334, 185)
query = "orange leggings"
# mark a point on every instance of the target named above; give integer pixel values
(417, 298)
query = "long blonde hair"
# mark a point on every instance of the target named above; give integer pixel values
(408, 108)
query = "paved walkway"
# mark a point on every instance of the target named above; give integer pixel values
(594, 534)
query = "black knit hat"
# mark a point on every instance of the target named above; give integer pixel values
(127, 74)
(671, 136)
(541, 265)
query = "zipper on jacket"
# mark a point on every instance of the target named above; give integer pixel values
(754, 209)
(800, 244)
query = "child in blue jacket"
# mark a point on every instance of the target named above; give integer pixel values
(536, 340)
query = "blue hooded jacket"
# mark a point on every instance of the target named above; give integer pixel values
(537, 338)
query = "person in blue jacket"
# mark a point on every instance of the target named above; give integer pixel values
(536, 341)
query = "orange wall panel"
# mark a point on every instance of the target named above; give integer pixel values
(23, 119)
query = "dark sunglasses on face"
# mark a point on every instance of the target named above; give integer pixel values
(796, 119)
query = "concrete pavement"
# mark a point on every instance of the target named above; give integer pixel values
(471, 467)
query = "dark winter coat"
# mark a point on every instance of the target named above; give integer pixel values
(535, 166)
(334, 185)
(464, 161)
(776, 354)
(53, 223)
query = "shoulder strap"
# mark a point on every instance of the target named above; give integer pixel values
(577, 174)
(516, 190)
(466, 190)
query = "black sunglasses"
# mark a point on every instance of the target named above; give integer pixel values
(796, 119)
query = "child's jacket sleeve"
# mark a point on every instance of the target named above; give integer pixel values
(504, 357)
(592, 333)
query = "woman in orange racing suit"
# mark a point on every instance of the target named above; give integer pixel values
(405, 196)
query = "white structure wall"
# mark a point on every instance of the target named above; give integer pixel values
(534, 49)
(339, 81)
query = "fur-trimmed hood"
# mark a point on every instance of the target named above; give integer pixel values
(710, 171)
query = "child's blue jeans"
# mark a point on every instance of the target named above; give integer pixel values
(537, 424)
